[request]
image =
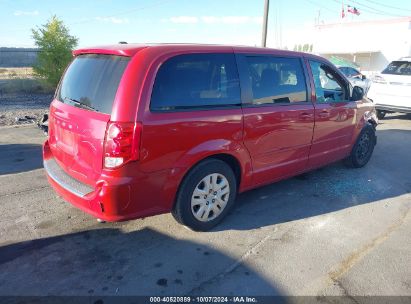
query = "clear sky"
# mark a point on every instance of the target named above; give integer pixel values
(200, 21)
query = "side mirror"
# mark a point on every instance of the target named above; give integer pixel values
(357, 93)
(363, 77)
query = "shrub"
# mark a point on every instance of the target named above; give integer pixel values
(55, 45)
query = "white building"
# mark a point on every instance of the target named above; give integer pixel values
(370, 44)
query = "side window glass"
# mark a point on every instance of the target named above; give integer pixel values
(196, 81)
(329, 87)
(345, 71)
(276, 80)
(352, 72)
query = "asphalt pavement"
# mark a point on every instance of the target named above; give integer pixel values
(334, 231)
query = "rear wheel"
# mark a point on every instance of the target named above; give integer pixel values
(206, 195)
(363, 148)
(381, 114)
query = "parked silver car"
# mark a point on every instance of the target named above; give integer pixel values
(355, 77)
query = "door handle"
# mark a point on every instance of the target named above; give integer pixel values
(324, 114)
(306, 116)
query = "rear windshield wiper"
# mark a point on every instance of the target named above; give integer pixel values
(81, 104)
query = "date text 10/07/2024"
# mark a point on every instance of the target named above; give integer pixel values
(203, 299)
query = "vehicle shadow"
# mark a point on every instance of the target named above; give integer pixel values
(15, 158)
(328, 189)
(104, 262)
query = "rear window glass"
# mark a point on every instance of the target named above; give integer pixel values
(398, 68)
(196, 81)
(276, 80)
(91, 81)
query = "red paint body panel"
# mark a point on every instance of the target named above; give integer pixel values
(269, 143)
(279, 141)
(167, 137)
(124, 193)
(76, 140)
(334, 126)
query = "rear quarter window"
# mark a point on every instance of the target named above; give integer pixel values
(195, 81)
(91, 81)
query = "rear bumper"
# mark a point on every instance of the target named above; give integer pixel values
(57, 174)
(87, 204)
(385, 101)
(111, 198)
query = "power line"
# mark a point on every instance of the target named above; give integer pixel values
(92, 19)
(389, 6)
(322, 6)
(375, 10)
(140, 8)
(370, 10)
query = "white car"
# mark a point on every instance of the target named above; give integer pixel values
(391, 89)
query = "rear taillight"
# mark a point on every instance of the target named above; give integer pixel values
(121, 143)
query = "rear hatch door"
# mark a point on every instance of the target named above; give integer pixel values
(80, 112)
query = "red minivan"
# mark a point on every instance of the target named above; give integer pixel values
(139, 130)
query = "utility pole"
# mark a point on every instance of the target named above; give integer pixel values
(265, 23)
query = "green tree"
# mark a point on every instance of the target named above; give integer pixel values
(55, 45)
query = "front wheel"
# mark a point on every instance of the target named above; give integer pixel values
(363, 148)
(206, 195)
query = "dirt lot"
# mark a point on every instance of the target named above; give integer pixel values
(335, 231)
(10, 73)
(15, 107)
(23, 98)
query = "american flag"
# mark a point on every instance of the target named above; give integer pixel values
(353, 10)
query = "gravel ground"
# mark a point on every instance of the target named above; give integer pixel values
(333, 232)
(14, 108)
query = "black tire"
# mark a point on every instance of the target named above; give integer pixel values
(182, 210)
(381, 114)
(363, 148)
